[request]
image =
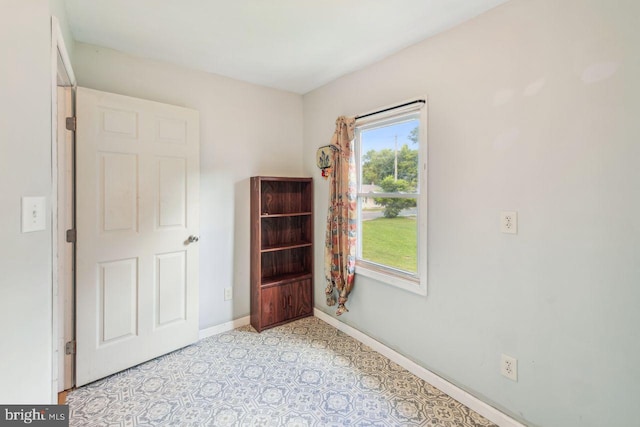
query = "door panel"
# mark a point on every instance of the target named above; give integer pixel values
(171, 131)
(172, 195)
(287, 301)
(301, 299)
(273, 305)
(119, 122)
(137, 204)
(118, 299)
(118, 192)
(171, 287)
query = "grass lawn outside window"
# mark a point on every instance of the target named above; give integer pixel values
(391, 241)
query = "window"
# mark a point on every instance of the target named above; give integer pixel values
(391, 171)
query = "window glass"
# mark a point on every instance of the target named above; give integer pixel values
(389, 152)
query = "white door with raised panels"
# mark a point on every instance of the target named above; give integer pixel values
(137, 184)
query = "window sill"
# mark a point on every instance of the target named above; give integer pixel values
(413, 285)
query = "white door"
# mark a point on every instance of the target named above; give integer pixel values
(137, 185)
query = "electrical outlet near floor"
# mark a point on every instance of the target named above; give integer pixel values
(509, 367)
(228, 294)
(509, 222)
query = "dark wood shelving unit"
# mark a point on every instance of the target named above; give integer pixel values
(281, 250)
(285, 215)
(290, 246)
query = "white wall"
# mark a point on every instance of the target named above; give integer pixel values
(533, 107)
(245, 130)
(58, 9)
(25, 170)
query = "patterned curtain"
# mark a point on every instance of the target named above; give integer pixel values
(340, 241)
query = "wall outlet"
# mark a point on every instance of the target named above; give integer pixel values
(228, 294)
(509, 367)
(509, 222)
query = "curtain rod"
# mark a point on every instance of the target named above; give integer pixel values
(391, 108)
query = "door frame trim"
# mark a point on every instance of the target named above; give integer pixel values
(57, 47)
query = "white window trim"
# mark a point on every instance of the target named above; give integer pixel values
(383, 274)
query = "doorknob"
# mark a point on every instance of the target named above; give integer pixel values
(193, 239)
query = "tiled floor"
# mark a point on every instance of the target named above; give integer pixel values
(305, 373)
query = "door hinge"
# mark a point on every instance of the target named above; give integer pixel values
(72, 235)
(72, 123)
(70, 347)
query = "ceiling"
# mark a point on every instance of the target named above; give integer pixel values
(294, 45)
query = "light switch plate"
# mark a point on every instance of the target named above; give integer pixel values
(33, 214)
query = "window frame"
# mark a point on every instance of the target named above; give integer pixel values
(415, 283)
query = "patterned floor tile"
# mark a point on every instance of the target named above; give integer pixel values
(305, 373)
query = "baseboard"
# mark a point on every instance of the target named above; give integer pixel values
(223, 327)
(487, 411)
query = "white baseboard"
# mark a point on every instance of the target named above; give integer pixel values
(223, 327)
(487, 411)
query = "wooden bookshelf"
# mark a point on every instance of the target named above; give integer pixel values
(281, 250)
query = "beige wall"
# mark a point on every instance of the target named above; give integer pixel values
(245, 130)
(58, 9)
(25, 170)
(533, 107)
